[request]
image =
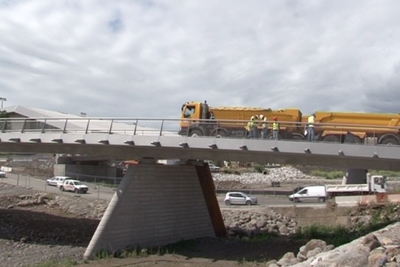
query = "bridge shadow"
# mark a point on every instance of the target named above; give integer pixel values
(37, 226)
(40, 227)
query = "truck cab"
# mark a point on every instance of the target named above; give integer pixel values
(378, 183)
(196, 120)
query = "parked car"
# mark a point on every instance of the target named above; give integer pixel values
(74, 186)
(239, 198)
(57, 180)
(213, 167)
(309, 193)
(2, 174)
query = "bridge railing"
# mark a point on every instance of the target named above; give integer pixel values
(332, 132)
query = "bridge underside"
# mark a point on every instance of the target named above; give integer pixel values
(159, 204)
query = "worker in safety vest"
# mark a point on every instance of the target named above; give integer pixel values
(310, 127)
(248, 127)
(275, 128)
(252, 127)
(264, 126)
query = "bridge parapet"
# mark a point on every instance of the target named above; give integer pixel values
(110, 139)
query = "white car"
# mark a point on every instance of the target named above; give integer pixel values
(213, 167)
(74, 186)
(239, 198)
(57, 180)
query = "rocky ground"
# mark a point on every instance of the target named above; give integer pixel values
(37, 227)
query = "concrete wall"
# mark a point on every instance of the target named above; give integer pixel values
(154, 205)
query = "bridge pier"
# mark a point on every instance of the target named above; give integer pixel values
(156, 205)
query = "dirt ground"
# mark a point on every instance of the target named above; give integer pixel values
(30, 235)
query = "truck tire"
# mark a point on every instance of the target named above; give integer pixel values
(195, 133)
(390, 141)
(331, 138)
(321, 199)
(62, 188)
(219, 134)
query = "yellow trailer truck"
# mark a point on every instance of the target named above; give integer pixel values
(198, 119)
(361, 127)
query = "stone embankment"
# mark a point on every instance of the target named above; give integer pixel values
(380, 248)
(283, 174)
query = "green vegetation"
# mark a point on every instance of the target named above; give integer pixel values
(328, 174)
(386, 173)
(259, 168)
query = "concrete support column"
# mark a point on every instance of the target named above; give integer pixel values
(156, 205)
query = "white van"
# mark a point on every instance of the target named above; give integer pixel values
(310, 193)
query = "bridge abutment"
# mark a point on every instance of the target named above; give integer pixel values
(159, 204)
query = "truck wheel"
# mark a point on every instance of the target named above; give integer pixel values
(195, 133)
(76, 191)
(62, 188)
(296, 200)
(219, 134)
(331, 138)
(321, 199)
(390, 142)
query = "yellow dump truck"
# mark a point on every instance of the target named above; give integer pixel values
(198, 119)
(378, 128)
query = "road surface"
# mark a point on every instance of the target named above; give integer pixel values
(106, 193)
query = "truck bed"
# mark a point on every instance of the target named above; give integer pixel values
(347, 188)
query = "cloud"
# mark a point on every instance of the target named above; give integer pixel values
(146, 58)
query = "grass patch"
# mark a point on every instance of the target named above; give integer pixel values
(328, 174)
(385, 172)
(264, 237)
(334, 235)
(259, 168)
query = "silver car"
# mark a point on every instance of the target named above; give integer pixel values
(239, 198)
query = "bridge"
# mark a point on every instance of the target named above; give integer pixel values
(158, 204)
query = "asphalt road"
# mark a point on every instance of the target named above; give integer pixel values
(106, 193)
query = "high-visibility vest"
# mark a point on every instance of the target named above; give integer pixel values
(254, 123)
(311, 121)
(275, 126)
(264, 123)
(248, 126)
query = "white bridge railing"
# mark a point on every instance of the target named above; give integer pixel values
(168, 127)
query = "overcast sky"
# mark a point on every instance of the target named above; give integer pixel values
(126, 58)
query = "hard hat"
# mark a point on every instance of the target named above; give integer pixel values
(261, 116)
(275, 118)
(256, 116)
(252, 118)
